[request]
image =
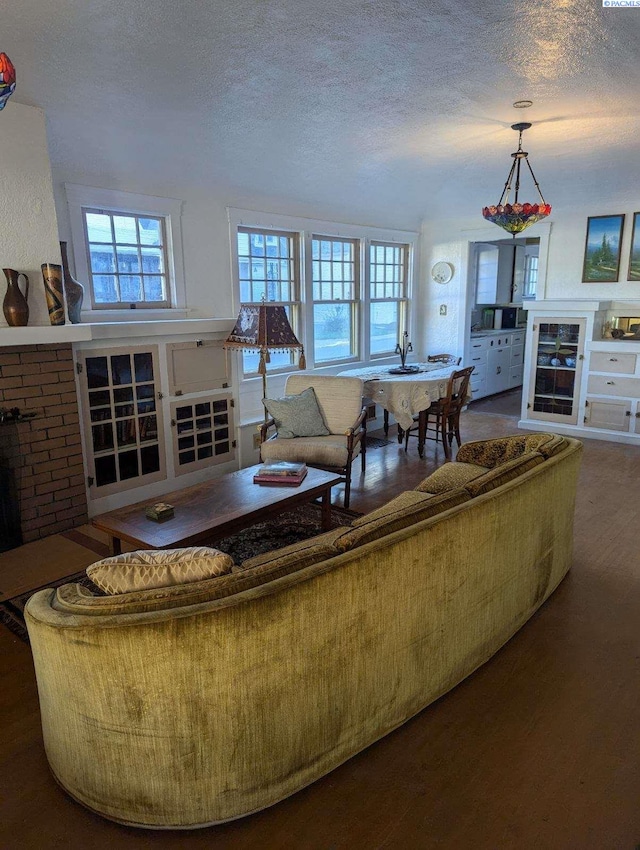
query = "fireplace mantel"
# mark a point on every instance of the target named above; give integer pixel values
(48, 335)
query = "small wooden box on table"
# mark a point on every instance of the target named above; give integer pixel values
(214, 509)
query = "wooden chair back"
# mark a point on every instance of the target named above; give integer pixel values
(446, 412)
(445, 359)
(457, 390)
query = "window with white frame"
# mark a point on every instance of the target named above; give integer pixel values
(335, 273)
(269, 270)
(127, 259)
(346, 287)
(388, 279)
(127, 250)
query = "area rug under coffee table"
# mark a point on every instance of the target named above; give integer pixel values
(295, 525)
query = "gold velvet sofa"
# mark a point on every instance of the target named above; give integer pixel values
(192, 705)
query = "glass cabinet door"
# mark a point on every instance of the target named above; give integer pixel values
(203, 432)
(123, 427)
(557, 356)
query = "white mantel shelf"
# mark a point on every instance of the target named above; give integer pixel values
(49, 335)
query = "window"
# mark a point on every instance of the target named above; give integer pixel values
(388, 275)
(127, 259)
(128, 253)
(335, 276)
(530, 276)
(346, 287)
(269, 269)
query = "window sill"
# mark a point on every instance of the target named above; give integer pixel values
(140, 314)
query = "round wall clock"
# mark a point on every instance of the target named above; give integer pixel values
(442, 272)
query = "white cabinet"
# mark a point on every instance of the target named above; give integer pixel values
(152, 413)
(504, 280)
(486, 264)
(557, 354)
(518, 273)
(497, 360)
(499, 366)
(478, 359)
(608, 414)
(123, 426)
(613, 391)
(494, 273)
(584, 384)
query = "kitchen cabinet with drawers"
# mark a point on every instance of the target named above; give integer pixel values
(497, 358)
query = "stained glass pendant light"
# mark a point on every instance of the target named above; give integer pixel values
(516, 217)
(7, 79)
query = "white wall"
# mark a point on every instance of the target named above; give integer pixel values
(566, 250)
(446, 240)
(28, 225)
(205, 230)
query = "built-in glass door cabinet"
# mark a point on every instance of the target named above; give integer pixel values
(123, 427)
(557, 355)
(154, 413)
(203, 431)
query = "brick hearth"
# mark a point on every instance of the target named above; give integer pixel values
(44, 453)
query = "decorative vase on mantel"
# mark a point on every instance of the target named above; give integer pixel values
(52, 277)
(14, 306)
(73, 290)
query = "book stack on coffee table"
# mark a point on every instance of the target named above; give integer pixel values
(281, 473)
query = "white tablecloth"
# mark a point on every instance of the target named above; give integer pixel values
(404, 395)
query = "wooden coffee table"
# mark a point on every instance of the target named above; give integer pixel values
(214, 509)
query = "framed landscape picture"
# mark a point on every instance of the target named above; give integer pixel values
(634, 254)
(602, 249)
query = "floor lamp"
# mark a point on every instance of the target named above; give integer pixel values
(264, 328)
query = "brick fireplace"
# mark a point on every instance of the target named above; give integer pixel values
(41, 457)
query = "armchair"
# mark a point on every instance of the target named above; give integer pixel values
(340, 402)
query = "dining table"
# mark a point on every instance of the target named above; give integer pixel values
(404, 395)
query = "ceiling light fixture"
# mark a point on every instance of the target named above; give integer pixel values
(516, 217)
(7, 79)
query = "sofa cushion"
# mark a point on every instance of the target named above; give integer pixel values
(326, 451)
(503, 473)
(162, 568)
(406, 509)
(450, 476)
(297, 415)
(492, 453)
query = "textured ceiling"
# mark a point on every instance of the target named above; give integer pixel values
(384, 111)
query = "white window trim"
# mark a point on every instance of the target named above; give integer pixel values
(169, 209)
(306, 227)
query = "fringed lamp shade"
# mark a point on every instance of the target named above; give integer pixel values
(264, 328)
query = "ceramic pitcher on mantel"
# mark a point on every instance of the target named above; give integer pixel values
(15, 306)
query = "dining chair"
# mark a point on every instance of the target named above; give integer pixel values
(445, 412)
(445, 359)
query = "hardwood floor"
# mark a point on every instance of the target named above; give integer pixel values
(538, 749)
